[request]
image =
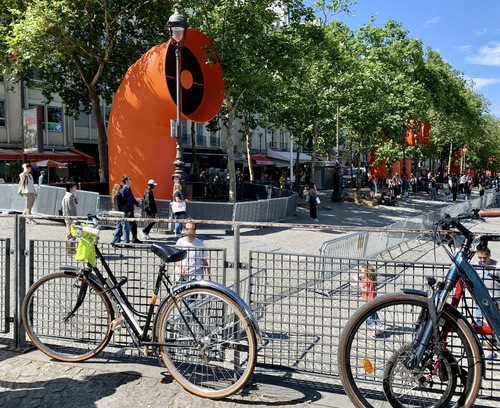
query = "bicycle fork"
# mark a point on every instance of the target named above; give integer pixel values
(428, 326)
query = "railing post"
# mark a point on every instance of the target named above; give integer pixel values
(20, 281)
(237, 272)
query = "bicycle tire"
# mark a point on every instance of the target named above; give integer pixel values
(45, 311)
(366, 360)
(208, 346)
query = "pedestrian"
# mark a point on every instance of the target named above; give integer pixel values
(119, 204)
(312, 197)
(413, 183)
(468, 189)
(195, 266)
(492, 283)
(41, 179)
(368, 286)
(481, 188)
(149, 206)
(68, 205)
(446, 189)
(178, 207)
(282, 181)
(131, 203)
(454, 189)
(432, 186)
(27, 189)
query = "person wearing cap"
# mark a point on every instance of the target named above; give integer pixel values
(149, 206)
(28, 190)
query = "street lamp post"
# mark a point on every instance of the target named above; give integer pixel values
(337, 176)
(177, 25)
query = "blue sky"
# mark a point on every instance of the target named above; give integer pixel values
(465, 32)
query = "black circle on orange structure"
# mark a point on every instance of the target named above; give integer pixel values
(192, 98)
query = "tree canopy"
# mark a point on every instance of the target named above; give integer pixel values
(293, 66)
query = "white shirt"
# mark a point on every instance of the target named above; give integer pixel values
(193, 263)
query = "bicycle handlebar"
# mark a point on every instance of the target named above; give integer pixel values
(494, 212)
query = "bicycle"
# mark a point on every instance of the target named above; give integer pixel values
(203, 332)
(428, 354)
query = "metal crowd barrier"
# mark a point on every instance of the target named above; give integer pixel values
(301, 313)
(280, 205)
(5, 286)
(302, 301)
(375, 245)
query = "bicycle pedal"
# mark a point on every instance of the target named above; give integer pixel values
(117, 323)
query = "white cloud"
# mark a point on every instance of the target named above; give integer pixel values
(433, 20)
(480, 32)
(464, 48)
(480, 83)
(487, 55)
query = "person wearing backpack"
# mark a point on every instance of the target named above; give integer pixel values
(27, 190)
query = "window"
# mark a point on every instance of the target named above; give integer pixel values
(2, 113)
(214, 139)
(185, 137)
(54, 119)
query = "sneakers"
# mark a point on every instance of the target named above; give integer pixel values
(144, 235)
(137, 241)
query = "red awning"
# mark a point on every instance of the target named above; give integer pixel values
(263, 161)
(63, 156)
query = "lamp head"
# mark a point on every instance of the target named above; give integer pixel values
(177, 25)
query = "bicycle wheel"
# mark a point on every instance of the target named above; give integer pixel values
(371, 364)
(56, 328)
(209, 346)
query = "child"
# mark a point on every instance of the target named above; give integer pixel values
(368, 285)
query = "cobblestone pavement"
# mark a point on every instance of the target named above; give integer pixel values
(33, 380)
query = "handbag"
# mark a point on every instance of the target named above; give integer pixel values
(178, 206)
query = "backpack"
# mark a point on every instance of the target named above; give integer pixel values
(22, 183)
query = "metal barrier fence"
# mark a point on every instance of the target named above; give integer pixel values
(301, 301)
(373, 245)
(138, 265)
(5, 311)
(279, 205)
(301, 311)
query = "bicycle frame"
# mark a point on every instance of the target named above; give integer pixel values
(140, 335)
(113, 288)
(460, 271)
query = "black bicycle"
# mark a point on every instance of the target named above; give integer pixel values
(204, 333)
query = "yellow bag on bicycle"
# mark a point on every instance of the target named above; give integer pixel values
(86, 249)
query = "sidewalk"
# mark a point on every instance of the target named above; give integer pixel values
(32, 379)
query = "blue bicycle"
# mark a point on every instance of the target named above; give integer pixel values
(429, 354)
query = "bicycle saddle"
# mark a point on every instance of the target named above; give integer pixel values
(167, 253)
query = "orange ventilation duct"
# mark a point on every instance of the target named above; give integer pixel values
(139, 135)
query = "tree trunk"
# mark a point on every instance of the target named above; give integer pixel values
(249, 152)
(314, 147)
(449, 158)
(230, 152)
(195, 167)
(102, 136)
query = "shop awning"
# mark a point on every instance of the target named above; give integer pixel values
(63, 156)
(263, 161)
(285, 156)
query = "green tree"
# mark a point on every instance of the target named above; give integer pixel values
(80, 48)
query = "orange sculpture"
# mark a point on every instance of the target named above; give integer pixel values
(139, 135)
